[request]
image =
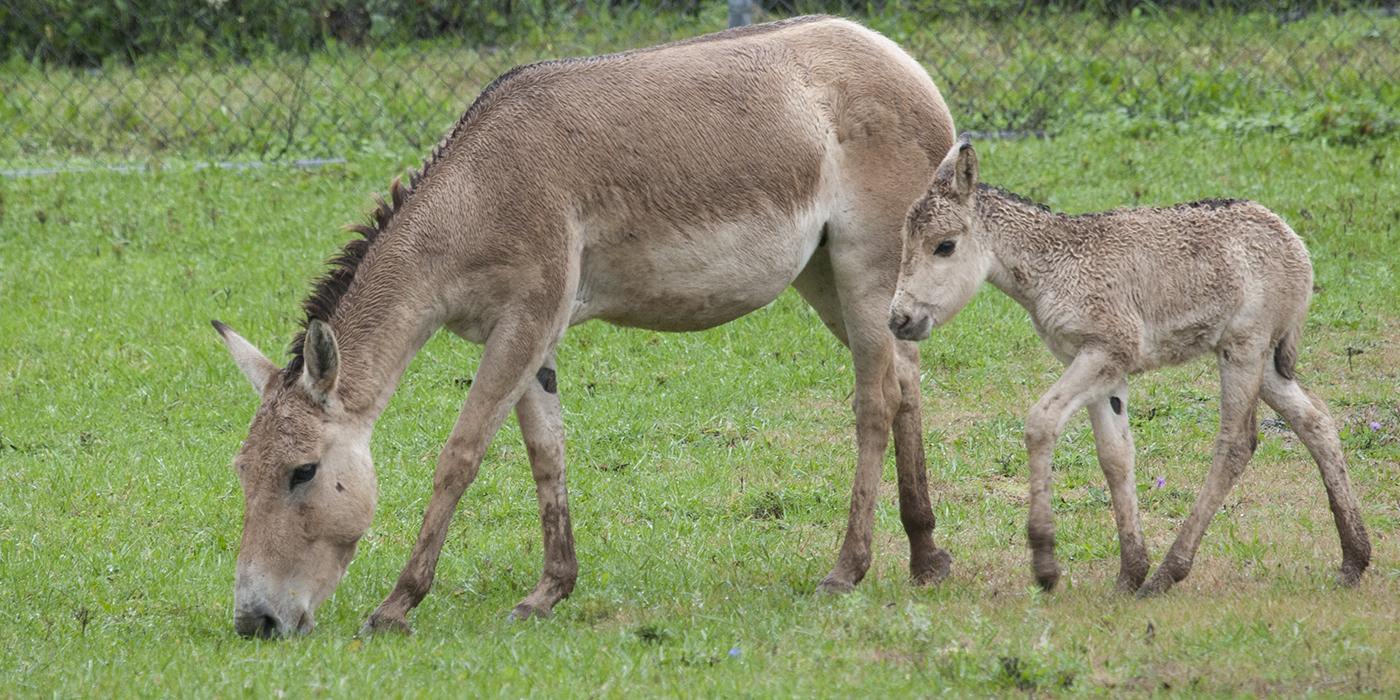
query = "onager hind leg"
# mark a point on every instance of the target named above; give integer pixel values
(516, 348)
(1113, 439)
(927, 563)
(1309, 419)
(1241, 371)
(1089, 378)
(542, 426)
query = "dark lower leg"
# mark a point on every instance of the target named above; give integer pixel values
(877, 395)
(927, 563)
(1113, 441)
(1233, 448)
(542, 428)
(1310, 420)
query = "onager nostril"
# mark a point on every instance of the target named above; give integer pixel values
(898, 321)
(268, 627)
(256, 623)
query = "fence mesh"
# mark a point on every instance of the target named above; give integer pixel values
(129, 80)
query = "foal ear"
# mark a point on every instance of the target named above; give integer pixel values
(256, 367)
(957, 174)
(322, 360)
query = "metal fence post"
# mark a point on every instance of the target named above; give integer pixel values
(740, 13)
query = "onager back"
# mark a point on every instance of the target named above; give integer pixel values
(1122, 292)
(674, 188)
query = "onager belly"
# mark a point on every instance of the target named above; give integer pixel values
(694, 278)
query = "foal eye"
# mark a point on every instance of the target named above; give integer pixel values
(945, 248)
(303, 474)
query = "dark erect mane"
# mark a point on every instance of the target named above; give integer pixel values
(328, 291)
(1008, 194)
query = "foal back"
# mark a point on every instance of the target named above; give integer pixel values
(1161, 286)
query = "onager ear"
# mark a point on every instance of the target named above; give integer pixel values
(322, 360)
(256, 367)
(957, 174)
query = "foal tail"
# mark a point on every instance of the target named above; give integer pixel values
(1286, 352)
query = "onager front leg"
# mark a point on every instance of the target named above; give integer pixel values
(927, 563)
(877, 396)
(512, 354)
(1090, 378)
(542, 426)
(1241, 371)
(1113, 439)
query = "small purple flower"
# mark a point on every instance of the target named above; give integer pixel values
(1159, 482)
(734, 653)
(1375, 425)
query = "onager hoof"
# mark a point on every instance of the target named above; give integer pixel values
(1350, 575)
(1131, 578)
(832, 586)
(933, 571)
(1160, 583)
(379, 624)
(1047, 570)
(1128, 583)
(525, 611)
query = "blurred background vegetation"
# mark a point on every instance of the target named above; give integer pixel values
(236, 79)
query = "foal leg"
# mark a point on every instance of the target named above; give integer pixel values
(1240, 377)
(1113, 439)
(514, 350)
(927, 563)
(1088, 379)
(543, 430)
(1309, 419)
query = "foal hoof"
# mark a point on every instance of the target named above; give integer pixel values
(379, 624)
(1350, 575)
(831, 586)
(934, 571)
(1047, 571)
(1160, 583)
(1129, 581)
(525, 611)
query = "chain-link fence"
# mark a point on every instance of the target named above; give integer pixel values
(130, 80)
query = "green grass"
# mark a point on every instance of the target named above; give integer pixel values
(709, 472)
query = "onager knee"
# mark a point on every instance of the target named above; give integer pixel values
(457, 466)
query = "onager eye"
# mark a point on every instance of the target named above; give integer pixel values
(945, 248)
(303, 474)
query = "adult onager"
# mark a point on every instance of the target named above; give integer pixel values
(673, 188)
(1122, 292)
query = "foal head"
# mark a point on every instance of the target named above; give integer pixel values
(944, 262)
(308, 487)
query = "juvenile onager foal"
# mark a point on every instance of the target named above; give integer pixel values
(1122, 292)
(674, 188)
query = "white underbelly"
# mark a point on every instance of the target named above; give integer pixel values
(694, 278)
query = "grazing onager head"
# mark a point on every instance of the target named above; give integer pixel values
(944, 262)
(308, 487)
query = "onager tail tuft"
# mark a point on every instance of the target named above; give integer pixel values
(1286, 353)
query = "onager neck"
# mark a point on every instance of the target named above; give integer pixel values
(1013, 229)
(382, 321)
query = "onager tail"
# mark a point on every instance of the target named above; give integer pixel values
(1286, 353)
